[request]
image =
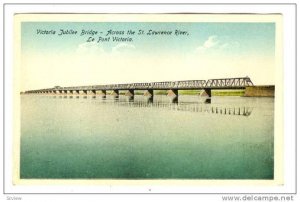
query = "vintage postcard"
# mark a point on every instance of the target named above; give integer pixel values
(183, 99)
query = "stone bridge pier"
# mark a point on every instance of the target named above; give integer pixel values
(76, 93)
(115, 93)
(93, 93)
(102, 93)
(173, 94)
(84, 93)
(208, 92)
(149, 94)
(130, 94)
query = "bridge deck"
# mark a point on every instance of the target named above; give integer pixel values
(226, 83)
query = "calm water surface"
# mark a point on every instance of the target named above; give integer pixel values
(231, 138)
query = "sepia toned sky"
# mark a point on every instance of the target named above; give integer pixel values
(210, 50)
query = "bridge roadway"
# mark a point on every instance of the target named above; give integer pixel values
(171, 86)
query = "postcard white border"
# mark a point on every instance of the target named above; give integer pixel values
(289, 57)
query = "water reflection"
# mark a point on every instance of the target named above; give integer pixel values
(149, 99)
(148, 102)
(174, 99)
(147, 138)
(207, 101)
(191, 107)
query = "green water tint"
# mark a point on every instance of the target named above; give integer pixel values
(65, 138)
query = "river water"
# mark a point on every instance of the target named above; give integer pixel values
(84, 138)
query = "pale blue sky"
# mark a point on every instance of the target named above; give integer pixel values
(251, 37)
(211, 50)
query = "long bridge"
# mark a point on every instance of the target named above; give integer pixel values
(171, 86)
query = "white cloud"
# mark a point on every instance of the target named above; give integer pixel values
(215, 43)
(94, 48)
(211, 42)
(232, 45)
(89, 48)
(122, 47)
(224, 46)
